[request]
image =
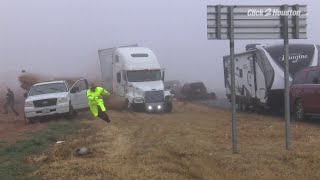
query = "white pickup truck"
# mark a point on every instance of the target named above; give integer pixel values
(54, 98)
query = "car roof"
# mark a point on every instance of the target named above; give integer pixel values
(49, 82)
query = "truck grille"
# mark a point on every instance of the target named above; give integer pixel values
(45, 102)
(154, 96)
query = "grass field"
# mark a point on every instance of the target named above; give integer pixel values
(16, 160)
(194, 142)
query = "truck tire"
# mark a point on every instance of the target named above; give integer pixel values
(71, 114)
(168, 107)
(129, 106)
(299, 111)
(30, 120)
(135, 107)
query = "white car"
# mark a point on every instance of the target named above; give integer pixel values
(55, 97)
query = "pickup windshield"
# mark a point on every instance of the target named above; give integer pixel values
(144, 75)
(48, 88)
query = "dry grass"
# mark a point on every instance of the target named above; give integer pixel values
(191, 143)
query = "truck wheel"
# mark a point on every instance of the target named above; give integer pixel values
(71, 114)
(29, 120)
(128, 106)
(168, 107)
(300, 113)
(134, 107)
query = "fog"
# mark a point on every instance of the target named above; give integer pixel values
(61, 38)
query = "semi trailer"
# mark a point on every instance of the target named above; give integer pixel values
(134, 73)
(259, 73)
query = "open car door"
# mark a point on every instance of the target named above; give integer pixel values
(78, 94)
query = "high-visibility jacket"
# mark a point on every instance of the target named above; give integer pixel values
(95, 100)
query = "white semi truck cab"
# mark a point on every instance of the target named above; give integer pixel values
(134, 73)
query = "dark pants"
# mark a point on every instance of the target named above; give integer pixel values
(7, 105)
(103, 115)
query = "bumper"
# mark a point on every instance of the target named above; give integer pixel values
(46, 111)
(154, 107)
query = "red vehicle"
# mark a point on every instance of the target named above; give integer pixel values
(305, 93)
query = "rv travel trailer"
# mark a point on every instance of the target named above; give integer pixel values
(135, 74)
(259, 73)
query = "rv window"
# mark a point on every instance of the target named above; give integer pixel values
(118, 77)
(240, 73)
(311, 76)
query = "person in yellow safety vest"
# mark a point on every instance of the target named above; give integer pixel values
(96, 104)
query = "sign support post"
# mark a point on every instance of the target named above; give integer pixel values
(286, 80)
(233, 87)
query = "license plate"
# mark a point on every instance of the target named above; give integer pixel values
(46, 111)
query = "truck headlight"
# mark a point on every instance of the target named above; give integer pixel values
(62, 100)
(28, 104)
(159, 107)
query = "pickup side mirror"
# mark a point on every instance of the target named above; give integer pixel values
(74, 90)
(25, 95)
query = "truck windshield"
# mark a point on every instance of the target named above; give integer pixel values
(47, 89)
(144, 75)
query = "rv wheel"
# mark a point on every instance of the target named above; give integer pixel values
(242, 107)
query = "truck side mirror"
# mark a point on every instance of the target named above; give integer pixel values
(163, 75)
(124, 78)
(25, 95)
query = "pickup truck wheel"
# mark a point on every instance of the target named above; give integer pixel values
(299, 111)
(71, 114)
(29, 120)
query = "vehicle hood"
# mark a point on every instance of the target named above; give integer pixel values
(148, 86)
(47, 96)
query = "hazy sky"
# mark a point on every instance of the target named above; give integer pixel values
(61, 37)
